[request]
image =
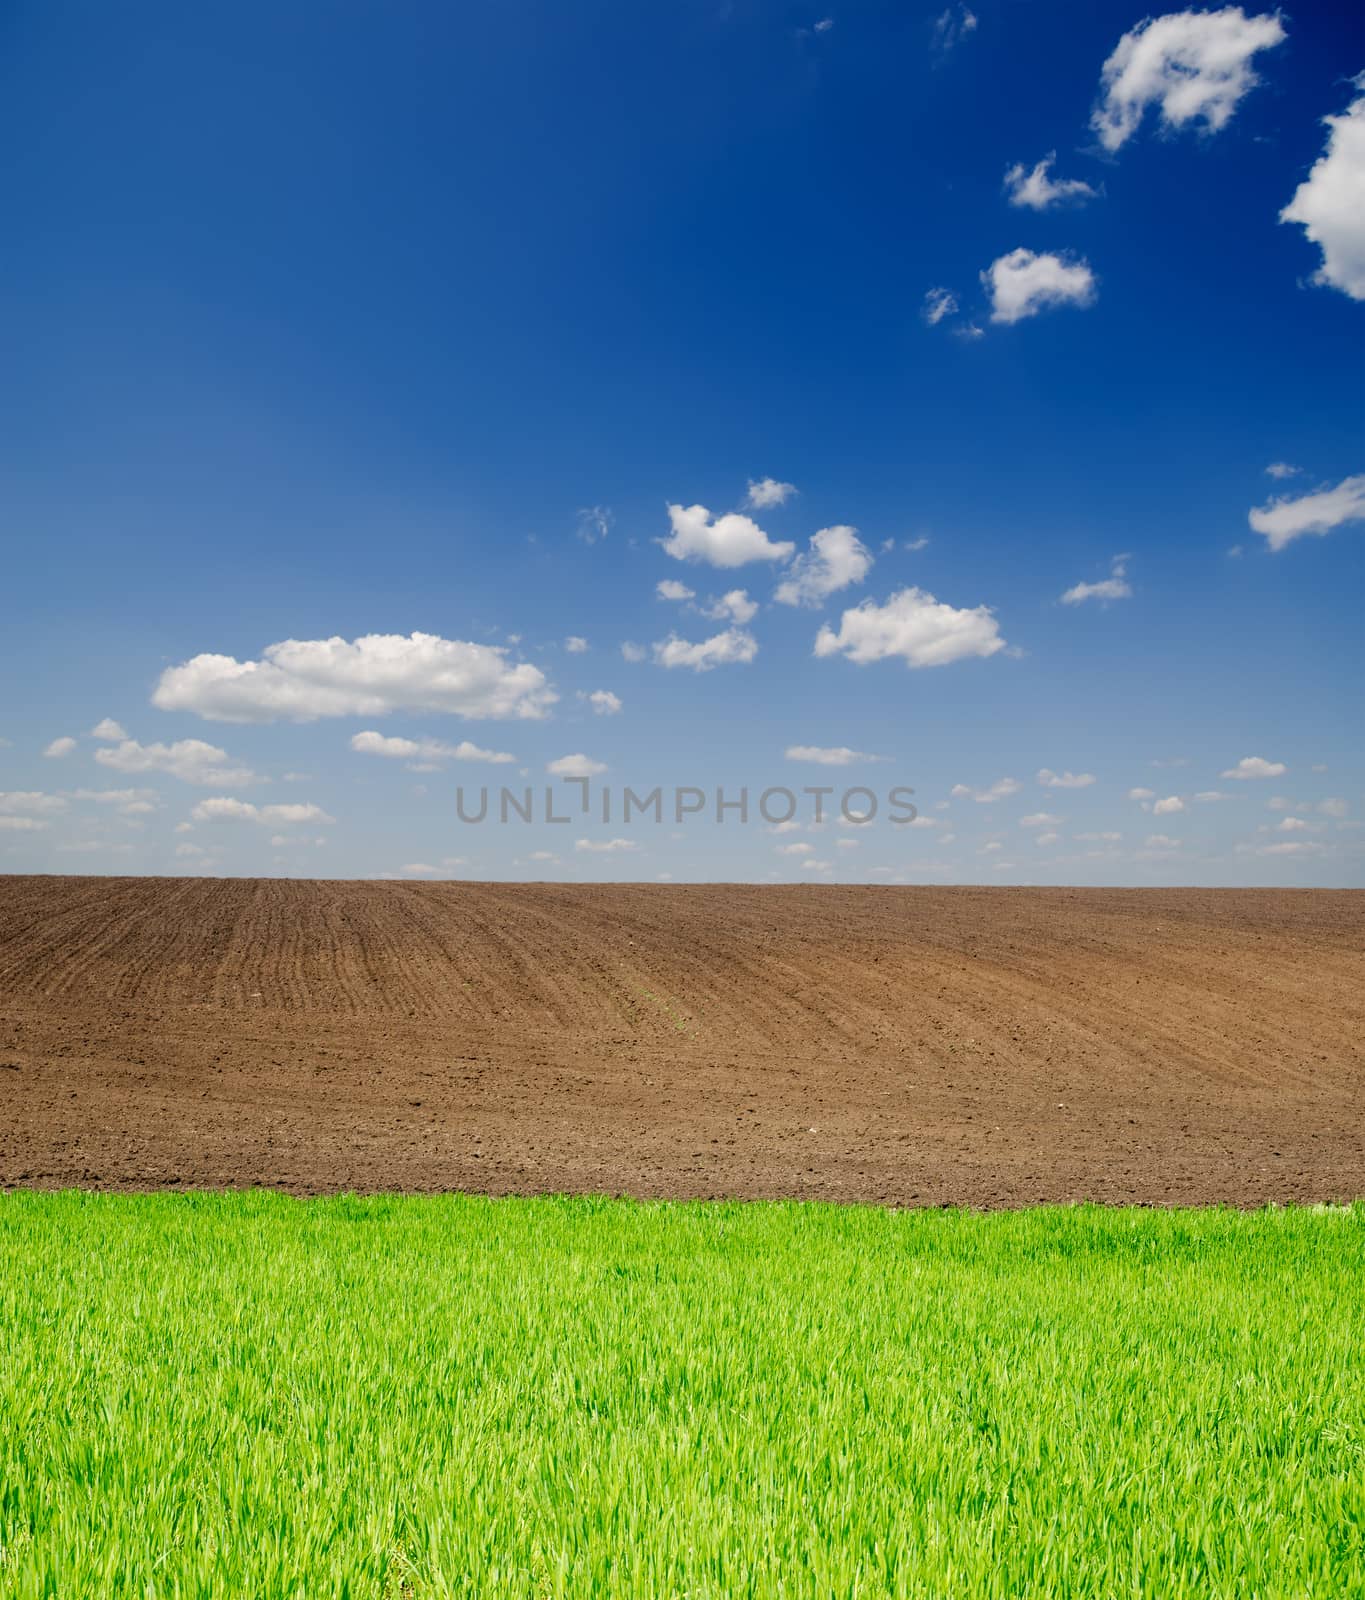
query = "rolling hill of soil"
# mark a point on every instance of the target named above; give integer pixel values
(919, 1046)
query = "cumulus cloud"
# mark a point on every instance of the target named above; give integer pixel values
(1023, 283)
(430, 752)
(109, 730)
(1001, 789)
(379, 673)
(1036, 188)
(730, 540)
(1169, 806)
(1162, 841)
(604, 703)
(1282, 469)
(13, 824)
(1039, 819)
(1114, 587)
(129, 802)
(1330, 203)
(1047, 838)
(938, 304)
(30, 802)
(671, 589)
(765, 492)
(734, 645)
(912, 624)
(1142, 794)
(733, 606)
(1255, 767)
(837, 558)
(1191, 66)
(575, 644)
(60, 747)
(836, 756)
(190, 760)
(1291, 847)
(633, 652)
(1284, 520)
(575, 766)
(1064, 780)
(606, 847)
(223, 808)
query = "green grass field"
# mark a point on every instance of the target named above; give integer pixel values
(246, 1395)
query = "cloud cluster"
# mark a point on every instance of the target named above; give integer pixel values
(912, 624)
(1330, 203)
(223, 808)
(1114, 587)
(190, 760)
(837, 558)
(722, 649)
(429, 752)
(1191, 66)
(730, 540)
(379, 673)
(1023, 283)
(1036, 188)
(766, 492)
(1284, 520)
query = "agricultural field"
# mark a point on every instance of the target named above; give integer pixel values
(983, 1047)
(248, 1394)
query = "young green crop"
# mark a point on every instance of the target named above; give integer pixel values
(247, 1395)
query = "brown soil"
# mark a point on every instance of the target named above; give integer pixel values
(989, 1047)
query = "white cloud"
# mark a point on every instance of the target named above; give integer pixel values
(1291, 847)
(1142, 794)
(1023, 283)
(988, 849)
(765, 492)
(543, 855)
(13, 801)
(1330, 202)
(188, 850)
(605, 847)
(1255, 767)
(1064, 780)
(431, 752)
(416, 868)
(575, 644)
(1100, 838)
(1037, 189)
(190, 760)
(302, 679)
(1208, 796)
(1047, 838)
(633, 652)
(730, 540)
(1282, 521)
(604, 703)
(1333, 807)
(1192, 66)
(1114, 587)
(795, 849)
(222, 808)
(836, 756)
(1291, 825)
(575, 766)
(60, 747)
(733, 606)
(938, 304)
(594, 523)
(11, 824)
(1282, 469)
(109, 730)
(817, 866)
(836, 559)
(1162, 841)
(952, 26)
(1169, 806)
(1039, 819)
(1001, 789)
(671, 589)
(734, 645)
(912, 624)
(129, 802)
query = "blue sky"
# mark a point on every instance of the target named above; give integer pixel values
(357, 322)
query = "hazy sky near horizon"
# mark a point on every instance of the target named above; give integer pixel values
(731, 394)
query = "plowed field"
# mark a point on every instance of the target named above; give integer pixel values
(991, 1047)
